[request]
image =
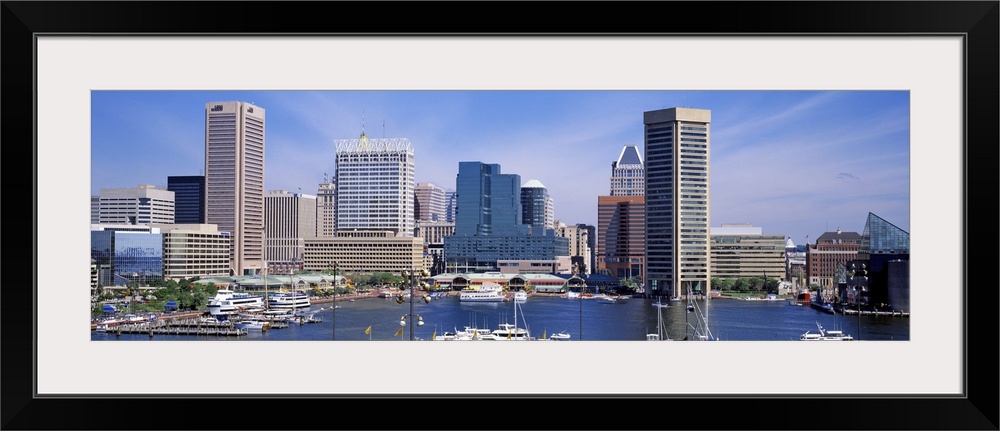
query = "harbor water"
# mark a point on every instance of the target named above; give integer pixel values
(627, 319)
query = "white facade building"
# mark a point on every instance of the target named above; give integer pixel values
(375, 185)
(144, 204)
(627, 173)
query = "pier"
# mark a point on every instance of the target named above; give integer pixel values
(854, 312)
(178, 327)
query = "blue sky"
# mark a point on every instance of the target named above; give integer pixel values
(796, 163)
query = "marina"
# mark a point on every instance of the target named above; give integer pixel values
(629, 320)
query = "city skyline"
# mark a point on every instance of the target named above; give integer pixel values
(797, 163)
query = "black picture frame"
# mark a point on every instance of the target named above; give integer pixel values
(976, 21)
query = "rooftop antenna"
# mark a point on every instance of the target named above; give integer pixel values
(362, 121)
(383, 127)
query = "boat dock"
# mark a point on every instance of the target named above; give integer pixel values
(178, 327)
(875, 313)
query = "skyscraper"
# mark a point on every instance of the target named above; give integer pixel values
(234, 179)
(677, 143)
(189, 198)
(291, 217)
(430, 202)
(627, 174)
(450, 205)
(375, 185)
(621, 242)
(536, 209)
(621, 218)
(326, 209)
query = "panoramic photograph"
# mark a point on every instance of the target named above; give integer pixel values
(507, 215)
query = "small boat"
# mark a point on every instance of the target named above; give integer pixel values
(560, 336)
(253, 325)
(825, 335)
(520, 296)
(660, 303)
(607, 299)
(803, 298)
(101, 327)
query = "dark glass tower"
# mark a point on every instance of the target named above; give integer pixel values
(488, 223)
(189, 198)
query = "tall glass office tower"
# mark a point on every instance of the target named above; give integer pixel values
(189, 198)
(677, 201)
(535, 205)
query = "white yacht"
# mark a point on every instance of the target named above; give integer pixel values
(520, 296)
(826, 335)
(289, 300)
(227, 302)
(488, 292)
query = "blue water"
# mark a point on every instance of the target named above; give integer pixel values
(586, 320)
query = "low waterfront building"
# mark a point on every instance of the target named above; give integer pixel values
(743, 250)
(831, 249)
(194, 250)
(361, 251)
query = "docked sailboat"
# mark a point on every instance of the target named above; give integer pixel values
(702, 331)
(510, 331)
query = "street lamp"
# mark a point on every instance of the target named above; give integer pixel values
(399, 300)
(855, 273)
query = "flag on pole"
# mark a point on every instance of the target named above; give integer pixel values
(399, 331)
(369, 330)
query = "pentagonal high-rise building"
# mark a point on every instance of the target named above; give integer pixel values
(677, 142)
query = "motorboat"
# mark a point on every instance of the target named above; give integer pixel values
(226, 302)
(253, 325)
(560, 336)
(488, 292)
(825, 335)
(520, 296)
(509, 331)
(605, 299)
